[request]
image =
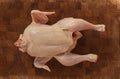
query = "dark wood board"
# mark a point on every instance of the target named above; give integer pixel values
(15, 16)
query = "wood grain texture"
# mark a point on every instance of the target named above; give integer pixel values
(15, 16)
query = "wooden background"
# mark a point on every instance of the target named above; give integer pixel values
(15, 16)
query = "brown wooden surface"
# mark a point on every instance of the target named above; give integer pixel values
(15, 16)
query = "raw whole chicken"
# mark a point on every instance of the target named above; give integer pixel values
(44, 41)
